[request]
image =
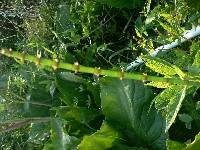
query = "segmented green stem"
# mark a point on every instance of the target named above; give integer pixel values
(55, 64)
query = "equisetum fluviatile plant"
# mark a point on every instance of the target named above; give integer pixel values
(76, 67)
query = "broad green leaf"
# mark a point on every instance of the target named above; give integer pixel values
(94, 89)
(125, 104)
(39, 104)
(38, 100)
(174, 145)
(170, 94)
(60, 140)
(75, 84)
(173, 108)
(159, 65)
(81, 114)
(195, 145)
(100, 140)
(72, 93)
(123, 3)
(77, 129)
(79, 120)
(170, 101)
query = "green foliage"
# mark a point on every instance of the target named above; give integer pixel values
(60, 140)
(41, 108)
(124, 3)
(159, 65)
(75, 94)
(100, 140)
(158, 84)
(194, 4)
(195, 144)
(173, 108)
(187, 119)
(125, 105)
(169, 101)
(172, 145)
(197, 59)
(81, 114)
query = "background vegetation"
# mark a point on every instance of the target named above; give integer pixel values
(42, 108)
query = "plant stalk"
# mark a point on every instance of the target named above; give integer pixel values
(55, 64)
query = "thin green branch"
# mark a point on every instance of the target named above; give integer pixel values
(32, 103)
(15, 124)
(56, 64)
(31, 119)
(24, 101)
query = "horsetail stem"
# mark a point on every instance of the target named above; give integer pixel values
(76, 67)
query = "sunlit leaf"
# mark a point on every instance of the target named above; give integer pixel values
(197, 60)
(195, 144)
(167, 95)
(174, 145)
(100, 140)
(159, 65)
(169, 102)
(173, 108)
(158, 84)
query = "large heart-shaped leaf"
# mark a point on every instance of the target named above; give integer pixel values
(125, 104)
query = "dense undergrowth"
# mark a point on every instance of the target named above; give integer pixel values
(52, 108)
